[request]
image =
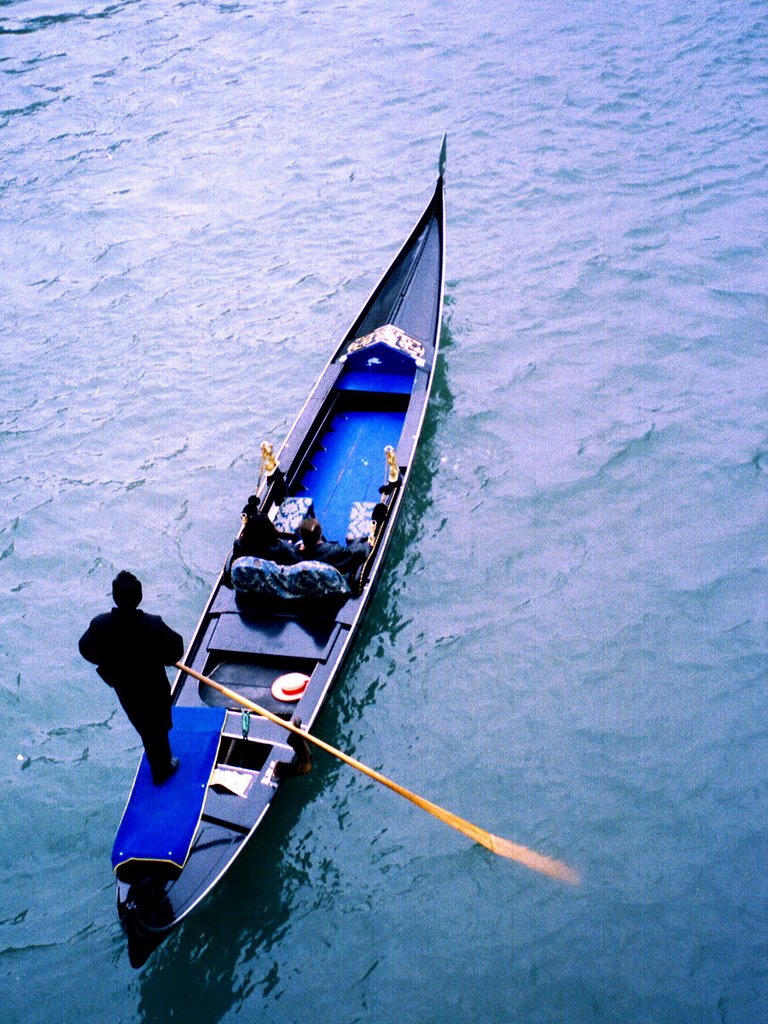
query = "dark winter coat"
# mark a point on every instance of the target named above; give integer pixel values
(130, 650)
(280, 551)
(345, 558)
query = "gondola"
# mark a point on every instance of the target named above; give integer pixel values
(279, 636)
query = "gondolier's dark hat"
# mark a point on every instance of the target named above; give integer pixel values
(126, 590)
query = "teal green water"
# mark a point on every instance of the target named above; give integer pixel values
(569, 644)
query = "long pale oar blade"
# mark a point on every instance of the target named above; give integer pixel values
(497, 844)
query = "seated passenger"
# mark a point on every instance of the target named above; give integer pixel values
(314, 547)
(259, 538)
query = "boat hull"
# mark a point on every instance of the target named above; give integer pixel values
(371, 396)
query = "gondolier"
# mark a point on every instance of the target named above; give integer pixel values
(130, 650)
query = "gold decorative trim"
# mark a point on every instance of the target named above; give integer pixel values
(268, 461)
(393, 470)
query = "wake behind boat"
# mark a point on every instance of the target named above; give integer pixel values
(278, 635)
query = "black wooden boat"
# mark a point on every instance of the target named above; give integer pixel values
(347, 458)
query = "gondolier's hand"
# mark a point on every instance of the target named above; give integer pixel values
(301, 762)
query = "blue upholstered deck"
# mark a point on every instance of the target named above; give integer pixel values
(349, 466)
(159, 822)
(390, 383)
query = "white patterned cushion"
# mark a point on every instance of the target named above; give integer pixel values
(291, 513)
(360, 520)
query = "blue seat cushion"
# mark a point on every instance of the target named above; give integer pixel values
(260, 577)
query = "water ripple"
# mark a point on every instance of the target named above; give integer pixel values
(569, 640)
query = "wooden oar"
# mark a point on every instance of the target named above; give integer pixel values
(497, 844)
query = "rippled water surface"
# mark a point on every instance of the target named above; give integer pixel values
(569, 644)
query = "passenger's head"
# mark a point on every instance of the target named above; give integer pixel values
(126, 590)
(251, 508)
(260, 530)
(311, 532)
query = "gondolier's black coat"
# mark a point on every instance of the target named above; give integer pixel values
(130, 650)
